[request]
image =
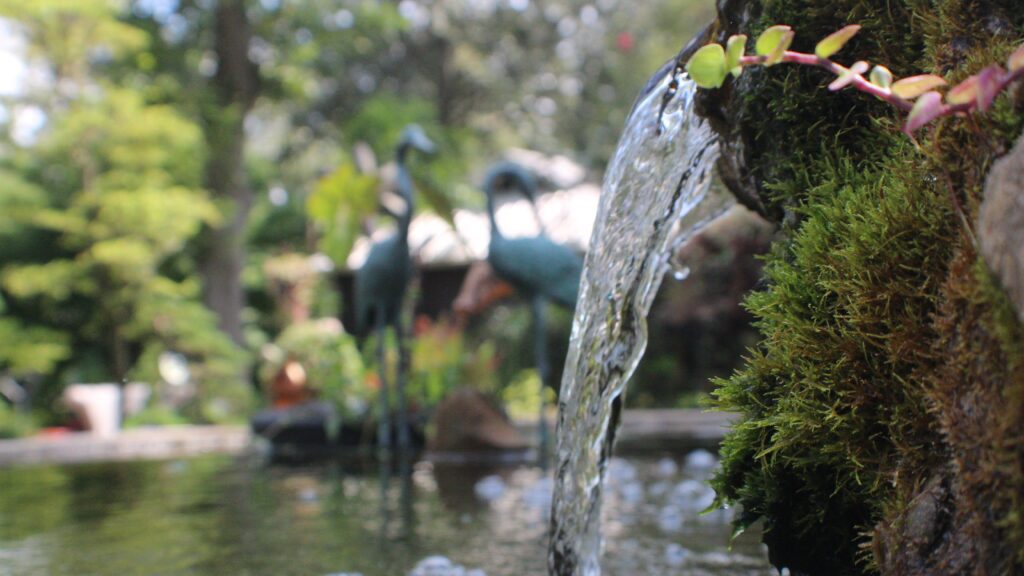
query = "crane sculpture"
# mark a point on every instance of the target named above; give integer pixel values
(380, 286)
(537, 267)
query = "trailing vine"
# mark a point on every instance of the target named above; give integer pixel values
(917, 95)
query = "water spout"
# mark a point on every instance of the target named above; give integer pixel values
(657, 192)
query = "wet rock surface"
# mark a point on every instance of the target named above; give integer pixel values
(1001, 224)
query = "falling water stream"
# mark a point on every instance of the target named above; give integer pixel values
(657, 193)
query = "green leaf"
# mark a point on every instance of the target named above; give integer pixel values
(773, 42)
(1016, 60)
(913, 86)
(780, 50)
(337, 205)
(733, 52)
(835, 41)
(707, 66)
(881, 77)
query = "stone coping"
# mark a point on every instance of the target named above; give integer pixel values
(642, 431)
(156, 443)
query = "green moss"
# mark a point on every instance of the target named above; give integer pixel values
(830, 406)
(889, 359)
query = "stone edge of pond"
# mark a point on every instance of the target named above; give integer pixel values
(134, 444)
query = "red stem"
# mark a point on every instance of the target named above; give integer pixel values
(860, 83)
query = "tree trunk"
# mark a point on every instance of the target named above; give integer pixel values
(236, 86)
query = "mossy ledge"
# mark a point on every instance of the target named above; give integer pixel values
(883, 427)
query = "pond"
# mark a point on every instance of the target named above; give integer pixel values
(222, 515)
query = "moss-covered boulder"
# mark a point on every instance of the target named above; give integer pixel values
(883, 425)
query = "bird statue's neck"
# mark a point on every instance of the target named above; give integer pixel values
(404, 190)
(492, 215)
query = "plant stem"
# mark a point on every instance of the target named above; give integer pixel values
(860, 83)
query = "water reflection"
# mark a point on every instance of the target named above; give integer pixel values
(220, 515)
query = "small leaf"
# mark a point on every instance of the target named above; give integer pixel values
(881, 77)
(707, 66)
(965, 92)
(771, 39)
(733, 52)
(835, 41)
(1016, 60)
(989, 81)
(927, 108)
(848, 75)
(780, 50)
(913, 86)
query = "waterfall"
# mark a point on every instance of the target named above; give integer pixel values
(657, 193)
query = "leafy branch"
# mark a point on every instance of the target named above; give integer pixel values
(710, 65)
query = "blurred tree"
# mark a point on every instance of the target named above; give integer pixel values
(236, 85)
(147, 102)
(110, 194)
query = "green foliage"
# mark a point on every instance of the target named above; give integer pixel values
(773, 42)
(835, 41)
(337, 206)
(335, 370)
(132, 213)
(103, 209)
(708, 67)
(522, 397)
(444, 360)
(734, 52)
(27, 351)
(14, 424)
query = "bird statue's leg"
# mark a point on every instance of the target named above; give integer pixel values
(384, 419)
(540, 348)
(402, 418)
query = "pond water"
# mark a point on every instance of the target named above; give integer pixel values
(223, 515)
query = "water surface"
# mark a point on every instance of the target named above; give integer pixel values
(222, 515)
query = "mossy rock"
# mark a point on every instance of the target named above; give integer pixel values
(883, 424)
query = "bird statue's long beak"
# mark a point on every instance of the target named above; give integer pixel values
(424, 144)
(414, 136)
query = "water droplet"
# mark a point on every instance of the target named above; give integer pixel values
(681, 274)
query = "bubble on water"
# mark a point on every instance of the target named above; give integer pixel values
(666, 467)
(670, 519)
(539, 494)
(659, 489)
(489, 488)
(676, 555)
(620, 471)
(693, 495)
(700, 461)
(441, 566)
(632, 492)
